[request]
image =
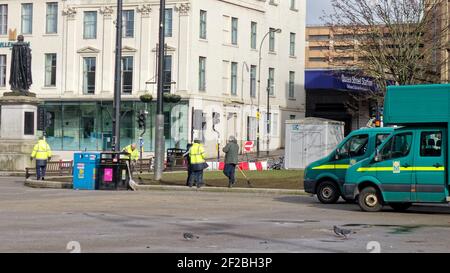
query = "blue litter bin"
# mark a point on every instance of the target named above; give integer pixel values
(85, 169)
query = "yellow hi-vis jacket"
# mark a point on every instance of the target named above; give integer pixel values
(197, 154)
(41, 150)
(134, 154)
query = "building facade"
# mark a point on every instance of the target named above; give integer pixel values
(211, 61)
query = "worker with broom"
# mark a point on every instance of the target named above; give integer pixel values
(231, 151)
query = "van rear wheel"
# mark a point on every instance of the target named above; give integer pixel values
(328, 192)
(400, 206)
(370, 200)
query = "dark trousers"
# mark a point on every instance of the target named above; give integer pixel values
(230, 172)
(189, 172)
(41, 166)
(197, 177)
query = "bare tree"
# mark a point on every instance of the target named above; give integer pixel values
(394, 41)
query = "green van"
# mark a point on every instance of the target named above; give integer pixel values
(325, 177)
(411, 165)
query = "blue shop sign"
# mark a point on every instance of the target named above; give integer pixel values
(338, 80)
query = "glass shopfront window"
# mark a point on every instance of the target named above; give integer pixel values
(54, 132)
(89, 133)
(71, 126)
(127, 124)
(79, 126)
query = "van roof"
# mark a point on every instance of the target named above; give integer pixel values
(376, 129)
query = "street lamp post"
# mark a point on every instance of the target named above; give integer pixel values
(268, 116)
(117, 79)
(159, 124)
(278, 30)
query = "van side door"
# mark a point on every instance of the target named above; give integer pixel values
(395, 168)
(430, 173)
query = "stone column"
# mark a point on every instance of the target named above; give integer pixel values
(70, 57)
(17, 131)
(107, 67)
(145, 46)
(183, 48)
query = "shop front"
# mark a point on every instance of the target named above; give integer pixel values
(87, 125)
(340, 95)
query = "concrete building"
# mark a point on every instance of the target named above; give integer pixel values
(333, 82)
(212, 62)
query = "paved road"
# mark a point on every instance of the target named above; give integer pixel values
(44, 220)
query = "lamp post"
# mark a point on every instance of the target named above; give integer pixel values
(117, 79)
(258, 114)
(159, 124)
(244, 65)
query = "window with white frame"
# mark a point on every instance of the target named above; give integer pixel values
(251, 128)
(3, 19)
(128, 23)
(127, 74)
(203, 21)
(52, 18)
(292, 44)
(90, 25)
(89, 67)
(271, 81)
(291, 84)
(168, 20)
(253, 81)
(293, 4)
(50, 69)
(2, 70)
(202, 74)
(234, 31)
(234, 71)
(167, 73)
(254, 29)
(27, 18)
(272, 40)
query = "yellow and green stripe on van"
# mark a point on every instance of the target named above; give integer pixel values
(403, 169)
(332, 167)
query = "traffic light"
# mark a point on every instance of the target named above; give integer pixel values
(216, 118)
(141, 120)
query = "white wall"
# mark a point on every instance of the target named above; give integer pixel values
(185, 47)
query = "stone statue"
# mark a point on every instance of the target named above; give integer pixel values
(20, 77)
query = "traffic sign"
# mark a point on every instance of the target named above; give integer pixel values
(248, 146)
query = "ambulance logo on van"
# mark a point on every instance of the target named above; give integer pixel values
(396, 167)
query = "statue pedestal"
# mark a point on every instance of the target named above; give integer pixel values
(17, 131)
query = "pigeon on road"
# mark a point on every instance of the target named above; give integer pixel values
(341, 232)
(189, 236)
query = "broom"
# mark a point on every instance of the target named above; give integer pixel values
(248, 180)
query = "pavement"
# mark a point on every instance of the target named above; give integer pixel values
(54, 220)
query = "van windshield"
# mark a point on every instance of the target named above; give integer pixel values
(354, 146)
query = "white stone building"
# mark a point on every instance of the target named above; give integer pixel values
(212, 62)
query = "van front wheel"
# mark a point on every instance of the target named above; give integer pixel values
(369, 200)
(328, 192)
